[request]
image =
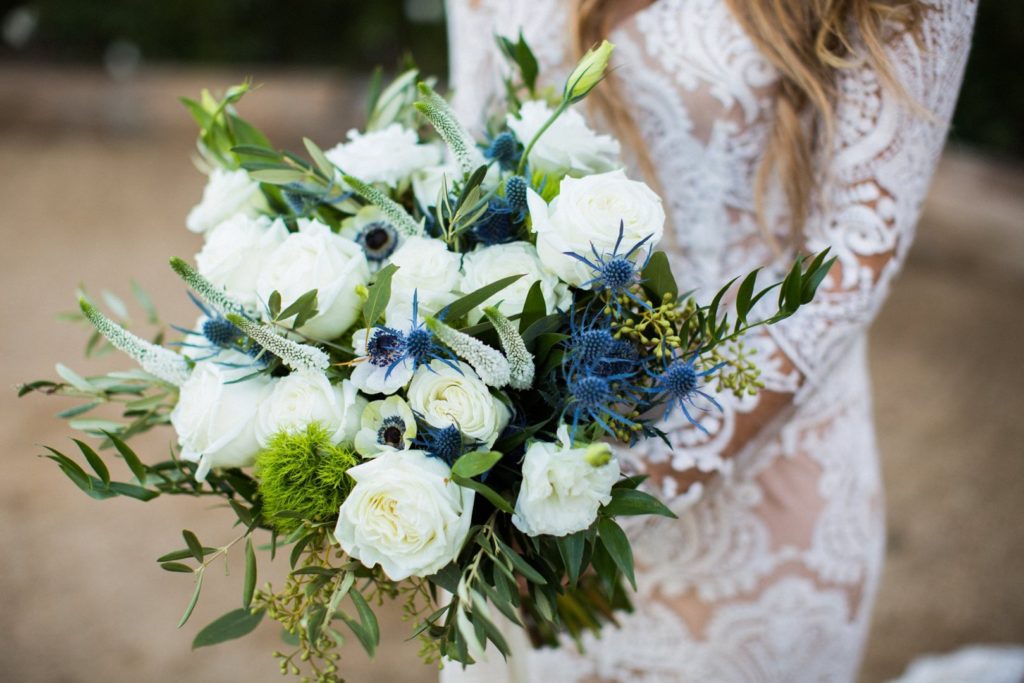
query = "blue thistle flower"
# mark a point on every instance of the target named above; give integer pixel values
(679, 384)
(444, 444)
(388, 347)
(498, 224)
(220, 332)
(378, 239)
(615, 273)
(515, 192)
(505, 149)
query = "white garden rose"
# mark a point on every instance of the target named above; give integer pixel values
(488, 264)
(587, 215)
(444, 396)
(426, 266)
(563, 487)
(236, 252)
(568, 146)
(388, 156)
(316, 258)
(405, 514)
(215, 416)
(226, 193)
(303, 398)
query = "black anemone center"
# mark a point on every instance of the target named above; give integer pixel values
(392, 431)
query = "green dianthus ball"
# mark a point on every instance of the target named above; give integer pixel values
(303, 473)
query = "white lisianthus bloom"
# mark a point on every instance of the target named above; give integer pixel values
(563, 487)
(226, 193)
(316, 258)
(386, 425)
(488, 264)
(586, 216)
(427, 182)
(303, 398)
(236, 252)
(405, 514)
(388, 156)
(378, 373)
(215, 420)
(426, 266)
(444, 396)
(567, 146)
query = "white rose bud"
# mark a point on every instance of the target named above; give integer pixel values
(226, 193)
(316, 258)
(386, 156)
(215, 420)
(405, 514)
(236, 252)
(567, 146)
(302, 398)
(563, 487)
(445, 396)
(488, 264)
(426, 266)
(587, 215)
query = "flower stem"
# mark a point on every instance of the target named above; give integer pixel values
(562, 106)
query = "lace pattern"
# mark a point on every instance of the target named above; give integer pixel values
(770, 571)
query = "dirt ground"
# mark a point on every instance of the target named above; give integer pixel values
(96, 184)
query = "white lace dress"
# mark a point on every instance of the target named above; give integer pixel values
(770, 572)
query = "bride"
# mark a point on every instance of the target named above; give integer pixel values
(770, 128)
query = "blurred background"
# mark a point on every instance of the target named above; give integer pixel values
(97, 179)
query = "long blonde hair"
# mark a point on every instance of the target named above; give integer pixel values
(808, 42)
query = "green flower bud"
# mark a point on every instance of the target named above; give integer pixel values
(598, 454)
(588, 72)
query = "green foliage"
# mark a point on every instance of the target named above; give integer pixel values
(304, 474)
(234, 624)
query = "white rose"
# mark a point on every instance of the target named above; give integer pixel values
(226, 193)
(316, 258)
(562, 490)
(445, 396)
(302, 398)
(569, 145)
(216, 420)
(587, 214)
(386, 156)
(236, 252)
(426, 266)
(487, 264)
(405, 514)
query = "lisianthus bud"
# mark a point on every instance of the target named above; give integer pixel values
(588, 72)
(598, 454)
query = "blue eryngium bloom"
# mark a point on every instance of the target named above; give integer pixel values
(498, 224)
(445, 443)
(679, 384)
(615, 273)
(515, 192)
(389, 347)
(505, 149)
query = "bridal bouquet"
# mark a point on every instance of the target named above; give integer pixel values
(417, 357)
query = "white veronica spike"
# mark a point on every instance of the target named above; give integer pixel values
(156, 360)
(296, 356)
(492, 367)
(206, 290)
(519, 359)
(436, 109)
(391, 209)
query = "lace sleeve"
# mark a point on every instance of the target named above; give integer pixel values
(869, 199)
